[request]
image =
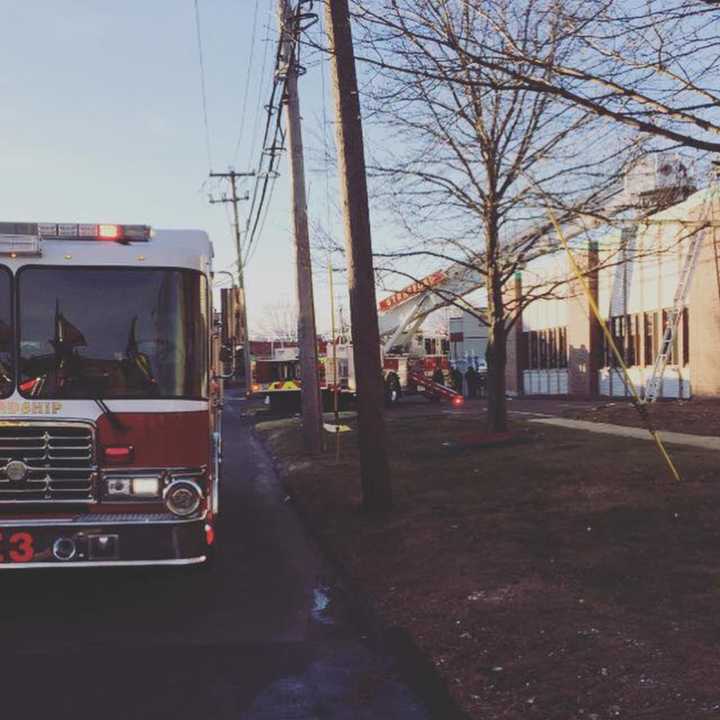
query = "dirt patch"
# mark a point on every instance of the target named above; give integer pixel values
(699, 416)
(560, 578)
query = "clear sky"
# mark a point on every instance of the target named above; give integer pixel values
(102, 121)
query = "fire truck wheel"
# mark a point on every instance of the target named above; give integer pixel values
(393, 392)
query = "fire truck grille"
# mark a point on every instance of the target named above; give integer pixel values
(42, 463)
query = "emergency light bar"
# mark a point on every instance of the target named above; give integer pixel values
(19, 245)
(74, 231)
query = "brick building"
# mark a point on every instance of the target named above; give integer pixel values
(558, 347)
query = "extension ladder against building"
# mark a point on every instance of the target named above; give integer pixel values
(679, 301)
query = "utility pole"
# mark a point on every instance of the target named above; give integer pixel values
(232, 176)
(375, 473)
(307, 335)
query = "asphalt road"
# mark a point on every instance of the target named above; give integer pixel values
(261, 636)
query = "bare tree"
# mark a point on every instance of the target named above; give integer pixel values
(472, 158)
(279, 322)
(649, 66)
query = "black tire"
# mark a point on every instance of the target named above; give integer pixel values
(393, 391)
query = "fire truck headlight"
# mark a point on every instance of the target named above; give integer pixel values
(183, 497)
(118, 486)
(140, 487)
(146, 487)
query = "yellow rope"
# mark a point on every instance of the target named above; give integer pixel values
(637, 401)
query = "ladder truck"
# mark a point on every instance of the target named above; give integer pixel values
(409, 358)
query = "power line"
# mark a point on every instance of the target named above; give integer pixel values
(251, 250)
(259, 104)
(270, 152)
(243, 110)
(273, 139)
(301, 19)
(203, 91)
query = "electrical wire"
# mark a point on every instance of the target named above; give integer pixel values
(243, 109)
(270, 152)
(259, 104)
(203, 89)
(274, 137)
(252, 248)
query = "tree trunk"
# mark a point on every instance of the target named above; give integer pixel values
(496, 357)
(496, 354)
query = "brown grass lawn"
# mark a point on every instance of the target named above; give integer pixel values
(562, 576)
(700, 416)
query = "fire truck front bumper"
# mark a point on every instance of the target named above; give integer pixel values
(104, 540)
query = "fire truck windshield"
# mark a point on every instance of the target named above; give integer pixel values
(112, 333)
(7, 372)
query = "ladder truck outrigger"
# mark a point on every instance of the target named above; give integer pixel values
(110, 396)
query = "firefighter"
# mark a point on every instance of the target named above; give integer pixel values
(438, 376)
(471, 378)
(457, 379)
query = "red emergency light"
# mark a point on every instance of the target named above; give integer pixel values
(76, 231)
(110, 232)
(118, 454)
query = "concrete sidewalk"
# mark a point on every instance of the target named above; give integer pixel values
(707, 442)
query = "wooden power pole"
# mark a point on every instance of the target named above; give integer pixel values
(375, 473)
(307, 335)
(232, 176)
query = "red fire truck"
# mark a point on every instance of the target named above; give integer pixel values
(109, 406)
(407, 371)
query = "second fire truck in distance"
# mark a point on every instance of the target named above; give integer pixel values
(276, 372)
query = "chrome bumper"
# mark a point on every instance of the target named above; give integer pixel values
(103, 540)
(101, 563)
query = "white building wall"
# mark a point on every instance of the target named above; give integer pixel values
(646, 282)
(538, 278)
(471, 349)
(675, 382)
(545, 382)
(542, 276)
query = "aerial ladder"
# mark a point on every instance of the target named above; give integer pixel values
(401, 314)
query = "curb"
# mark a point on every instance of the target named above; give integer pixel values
(413, 666)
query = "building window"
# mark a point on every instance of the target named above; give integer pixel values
(546, 349)
(650, 325)
(686, 337)
(616, 326)
(562, 347)
(627, 333)
(631, 350)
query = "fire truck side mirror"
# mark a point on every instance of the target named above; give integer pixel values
(229, 309)
(228, 359)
